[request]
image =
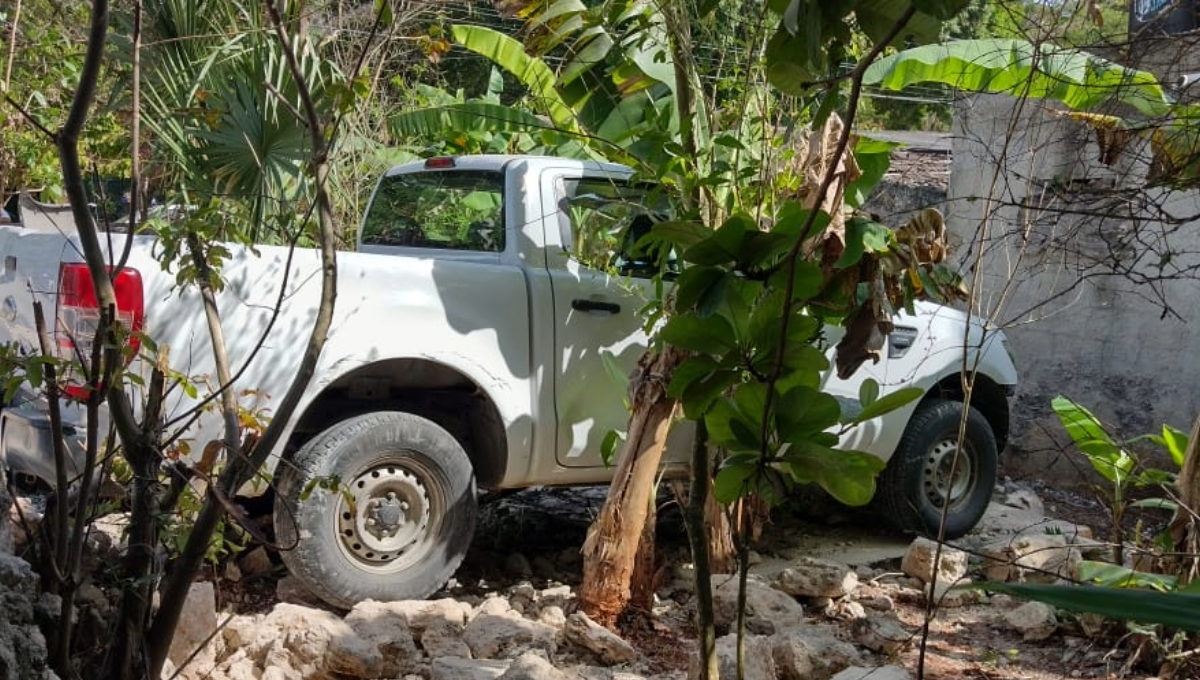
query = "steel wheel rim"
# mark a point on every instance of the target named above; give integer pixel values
(383, 516)
(940, 487)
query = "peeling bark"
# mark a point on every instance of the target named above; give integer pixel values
(610, 551)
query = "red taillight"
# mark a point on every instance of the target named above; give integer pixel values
(79, 313)
(439, 162)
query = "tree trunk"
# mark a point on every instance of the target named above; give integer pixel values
(1185, 525)
(701, 538)
(646, 576)
(609, 553)
(722, 553)
(713, 518)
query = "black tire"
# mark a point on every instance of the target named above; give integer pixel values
(388, 509)
(911, 491)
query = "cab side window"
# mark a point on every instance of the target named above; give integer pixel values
(603, 220)
(455, 210)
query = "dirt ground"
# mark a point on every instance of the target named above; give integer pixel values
(548, 526)
(962, 642)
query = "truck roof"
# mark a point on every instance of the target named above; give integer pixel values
(499, 161)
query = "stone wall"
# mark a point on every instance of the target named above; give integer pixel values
(1094, 274)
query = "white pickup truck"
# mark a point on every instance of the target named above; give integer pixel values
(468, 353)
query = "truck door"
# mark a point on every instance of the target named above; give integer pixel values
(600, 287)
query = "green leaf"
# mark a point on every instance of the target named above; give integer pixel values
(717, 421)
(383, 9)
(723, 246)
(689, 371)
(533, 73)
(874, 157)
(1155, 504)
(1076, 78)
(1115, 576)
(732, 482)
(701, 288)
(609, 446)
(793, 218)
(1109, 459)
(699, 395)
(807, 280)
(855, 247)
(1174, 609)
(681, 233)
(751, 401)
(762, 249)
(795, 60)
(1176, 443)
(888, 403)
(711, 335)
(849, 476)
(33, 372)
(876, 18)
(868, 392)
(1081, 425)
(803, 412)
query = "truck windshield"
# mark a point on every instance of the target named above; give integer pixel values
(455, 209)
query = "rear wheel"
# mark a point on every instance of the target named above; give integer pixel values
(931, 471)
(380, 506)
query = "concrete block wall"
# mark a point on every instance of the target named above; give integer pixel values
(1094, 276)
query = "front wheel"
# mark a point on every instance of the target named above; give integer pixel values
(930, 471)
(381, 506)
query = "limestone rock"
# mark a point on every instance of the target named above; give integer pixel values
(453, 668)
(1031, 558)
(446, 613)
(810, 653)
(880, 634)
(494, 604)
(874, 673)
(767, 610)
(25, 518)
(556, 596)
(106, 535)
(303, 642)
(22, 646)
(811, 577)
(1026, 499)
(919, 562)
(387, 630)
(444, 640)
(197, 623)
(606, 645)
(953, 595)
(1034, 620)
(531, 666)
(553, 616)
(352, 656)
(759, 661)
(506, 636)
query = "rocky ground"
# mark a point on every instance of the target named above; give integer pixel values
(828, 598)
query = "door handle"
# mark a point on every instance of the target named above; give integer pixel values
(585, 305)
